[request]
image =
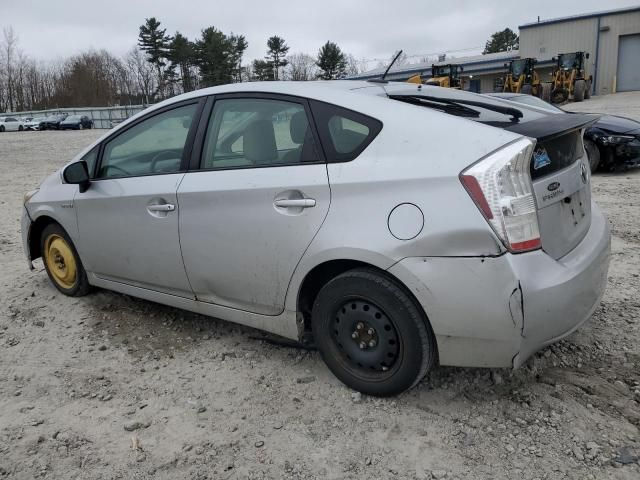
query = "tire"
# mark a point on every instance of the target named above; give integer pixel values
(526, 89)
(1, 128)
(545, 92)
(593, 154)
(578, 90)
(559, 95)
(587, 92)
(364, 306)
(62, 262)
(20, 128)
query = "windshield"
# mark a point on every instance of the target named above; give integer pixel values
(567, 61)
(73, 118)
(479, 108)
(534, 102)
(518, 67)
(441, 71)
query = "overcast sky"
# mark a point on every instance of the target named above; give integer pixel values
(370, 29)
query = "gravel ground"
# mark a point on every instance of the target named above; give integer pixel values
(108, 386)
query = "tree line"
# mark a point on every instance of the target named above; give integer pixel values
(159, 66)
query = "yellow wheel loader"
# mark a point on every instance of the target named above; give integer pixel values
(569, 78)
(522, 78)
(447, 76)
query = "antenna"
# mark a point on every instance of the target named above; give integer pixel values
(384, 75)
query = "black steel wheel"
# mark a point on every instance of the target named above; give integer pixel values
(371, 334)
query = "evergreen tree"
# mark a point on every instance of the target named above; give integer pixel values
(215, 57)
(262, 70)
(276, 54)
(154, 42)
(502, 41)
(238, 45)
(331, 62)
(181, 53)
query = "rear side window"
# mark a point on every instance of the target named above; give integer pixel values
(344, 133)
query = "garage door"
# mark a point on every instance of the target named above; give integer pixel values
(628, 63)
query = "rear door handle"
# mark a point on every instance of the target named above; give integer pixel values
(296, 203)
(167, 207)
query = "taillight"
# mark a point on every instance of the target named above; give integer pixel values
(500, 185)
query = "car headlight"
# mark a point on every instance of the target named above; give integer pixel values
(28, 195)
(616, 139)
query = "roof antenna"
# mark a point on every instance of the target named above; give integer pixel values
(384, 75)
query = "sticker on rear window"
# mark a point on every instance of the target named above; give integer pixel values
(540, 158)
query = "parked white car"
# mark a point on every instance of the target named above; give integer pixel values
(33, 124)
(11, 124)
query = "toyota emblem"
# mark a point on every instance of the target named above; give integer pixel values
(584, 173)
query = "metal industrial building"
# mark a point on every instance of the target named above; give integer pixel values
(612, 39)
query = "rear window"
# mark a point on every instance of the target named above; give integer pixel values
(553, 155)
(344, 133)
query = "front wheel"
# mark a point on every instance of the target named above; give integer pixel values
(20, 128)
(578, 90)
(62, 262)
(1, 128)
(371, 334)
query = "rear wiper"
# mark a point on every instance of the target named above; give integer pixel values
(513, 112)
(444, 105)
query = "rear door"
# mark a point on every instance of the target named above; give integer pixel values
(257, 197)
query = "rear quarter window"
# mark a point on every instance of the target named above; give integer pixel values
(344, 133)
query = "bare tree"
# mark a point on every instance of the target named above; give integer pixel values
(355, 66)
(301, 67)
(142, 73)
(9, 53)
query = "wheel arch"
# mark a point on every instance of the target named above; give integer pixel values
(321, 274)
(35, 233)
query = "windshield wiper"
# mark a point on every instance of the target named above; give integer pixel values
(444, 105)
(513, 112)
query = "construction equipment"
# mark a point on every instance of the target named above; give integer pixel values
(522, 78)
(569, 78)
(447, 76)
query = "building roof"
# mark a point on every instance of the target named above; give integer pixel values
(572, 18)
(472, 64)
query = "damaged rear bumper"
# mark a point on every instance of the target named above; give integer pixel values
(498, 311)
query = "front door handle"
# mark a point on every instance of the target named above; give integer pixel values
(296, 203)
(167, 207)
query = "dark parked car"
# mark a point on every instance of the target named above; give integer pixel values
(76, 122)
(52, 122)
(612, 143)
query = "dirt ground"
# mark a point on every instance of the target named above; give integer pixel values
(108, 386)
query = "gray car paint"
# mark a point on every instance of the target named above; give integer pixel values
(458, 270)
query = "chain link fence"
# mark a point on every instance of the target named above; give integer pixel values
(103, 117)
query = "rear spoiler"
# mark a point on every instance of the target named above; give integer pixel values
(552, 126)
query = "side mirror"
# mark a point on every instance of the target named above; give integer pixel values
(77, 174)
(587, 56)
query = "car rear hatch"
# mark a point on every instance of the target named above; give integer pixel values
(561, 179)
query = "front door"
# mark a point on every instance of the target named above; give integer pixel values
(128, 218)
(251, 210)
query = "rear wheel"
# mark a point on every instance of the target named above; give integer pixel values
(593, 154)
(62, 262)
(526, 89)
(20, 128)
(1, 128)
(371, 334)
(578, 90)
(545, 92)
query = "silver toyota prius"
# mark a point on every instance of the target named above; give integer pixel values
(394, 226)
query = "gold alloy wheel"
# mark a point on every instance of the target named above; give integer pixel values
(60, 261)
